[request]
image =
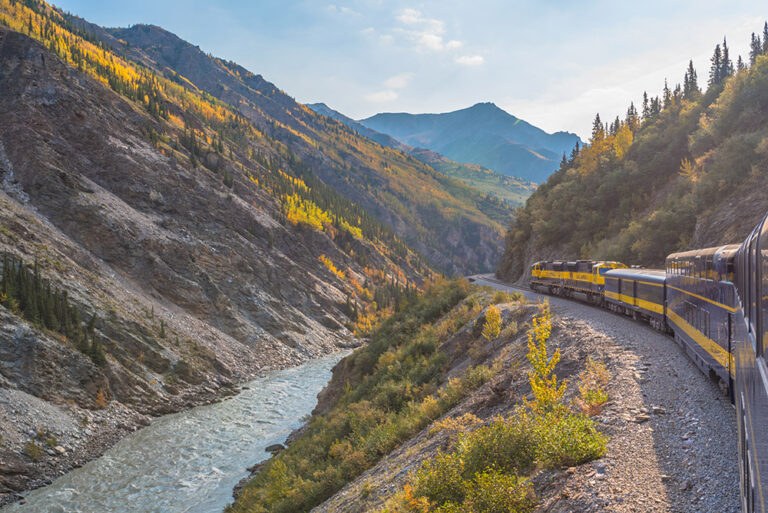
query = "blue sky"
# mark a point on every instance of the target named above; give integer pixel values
(554, 63)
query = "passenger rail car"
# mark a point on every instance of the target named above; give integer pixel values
(638, 292)
(715, 303)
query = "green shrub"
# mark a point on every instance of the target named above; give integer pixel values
(34, 451)
(506, 445)
(440, 480)
(567, 439)
(496, 492)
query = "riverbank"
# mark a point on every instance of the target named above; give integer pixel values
(188, 461)
(42, 441)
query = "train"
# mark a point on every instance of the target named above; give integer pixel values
(714, 303)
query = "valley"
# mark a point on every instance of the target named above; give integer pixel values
(216, 296)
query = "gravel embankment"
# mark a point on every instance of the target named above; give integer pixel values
(672, 432)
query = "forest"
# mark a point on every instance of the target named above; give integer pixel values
(651, 183)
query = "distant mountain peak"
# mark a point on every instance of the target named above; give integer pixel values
(483, 134)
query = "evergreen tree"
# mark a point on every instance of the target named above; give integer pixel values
(726, 63)
(740, 66)
(598, 130)
(575, 152)
(690, 83)
(716, 69)
(632, 119)
(667, 95)
(765, 37)
(755, 48)
(646, 106)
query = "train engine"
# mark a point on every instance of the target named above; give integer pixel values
(568, 278)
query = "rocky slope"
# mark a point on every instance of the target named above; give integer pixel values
(194, 282)
(482, 134)
(439, 217)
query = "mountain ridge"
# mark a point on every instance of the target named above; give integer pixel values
(482, 134)
(510, 189)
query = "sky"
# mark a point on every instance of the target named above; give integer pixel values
(553, 63)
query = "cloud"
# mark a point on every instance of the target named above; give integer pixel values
(398, 81)
(470, 60)
(342, 10)
(426, 33)
(409, 16)
(385, 96)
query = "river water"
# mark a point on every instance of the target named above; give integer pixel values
(190, 461)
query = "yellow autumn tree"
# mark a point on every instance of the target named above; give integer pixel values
(547, 392)
(492, 326)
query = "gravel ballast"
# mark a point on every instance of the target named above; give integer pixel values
(672, 431)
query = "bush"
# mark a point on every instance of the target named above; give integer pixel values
(492, 325)
(496, 492)
(440, 480)
(506, 445)
(567, 439)
(593, 380)
(34, 451)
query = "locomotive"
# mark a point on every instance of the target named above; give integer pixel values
(714, 302)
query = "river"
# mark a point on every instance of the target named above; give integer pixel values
(190, 461)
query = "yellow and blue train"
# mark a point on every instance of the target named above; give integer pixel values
(714, 302)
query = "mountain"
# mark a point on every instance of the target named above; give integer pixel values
(437, 216)
(383, 139)
(689, 174)
(482, 134)
(511, 190)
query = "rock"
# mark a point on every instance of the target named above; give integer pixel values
(60, 450)
(658, 410)
(274, 448)
(643, 417)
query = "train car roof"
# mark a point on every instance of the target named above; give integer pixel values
(652, 275)
(727, 249)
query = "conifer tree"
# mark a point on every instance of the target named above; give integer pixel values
(755, 48)
(575, 152)
(646, 106)
(598, 130)
(726, 63)
(632, 119)
(667, 95)
(716, 69)
(740, 66)
(765, 37)
(690, 83)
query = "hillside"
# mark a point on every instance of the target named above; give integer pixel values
(687, 172)
(482, 134)
(438, 217)
(431, 372)
(156, 249)
(509, 189)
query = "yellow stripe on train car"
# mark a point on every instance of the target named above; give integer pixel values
(719, 354)
(641, 303)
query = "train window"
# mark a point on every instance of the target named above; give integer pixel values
(753, 285)
(764, 288)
